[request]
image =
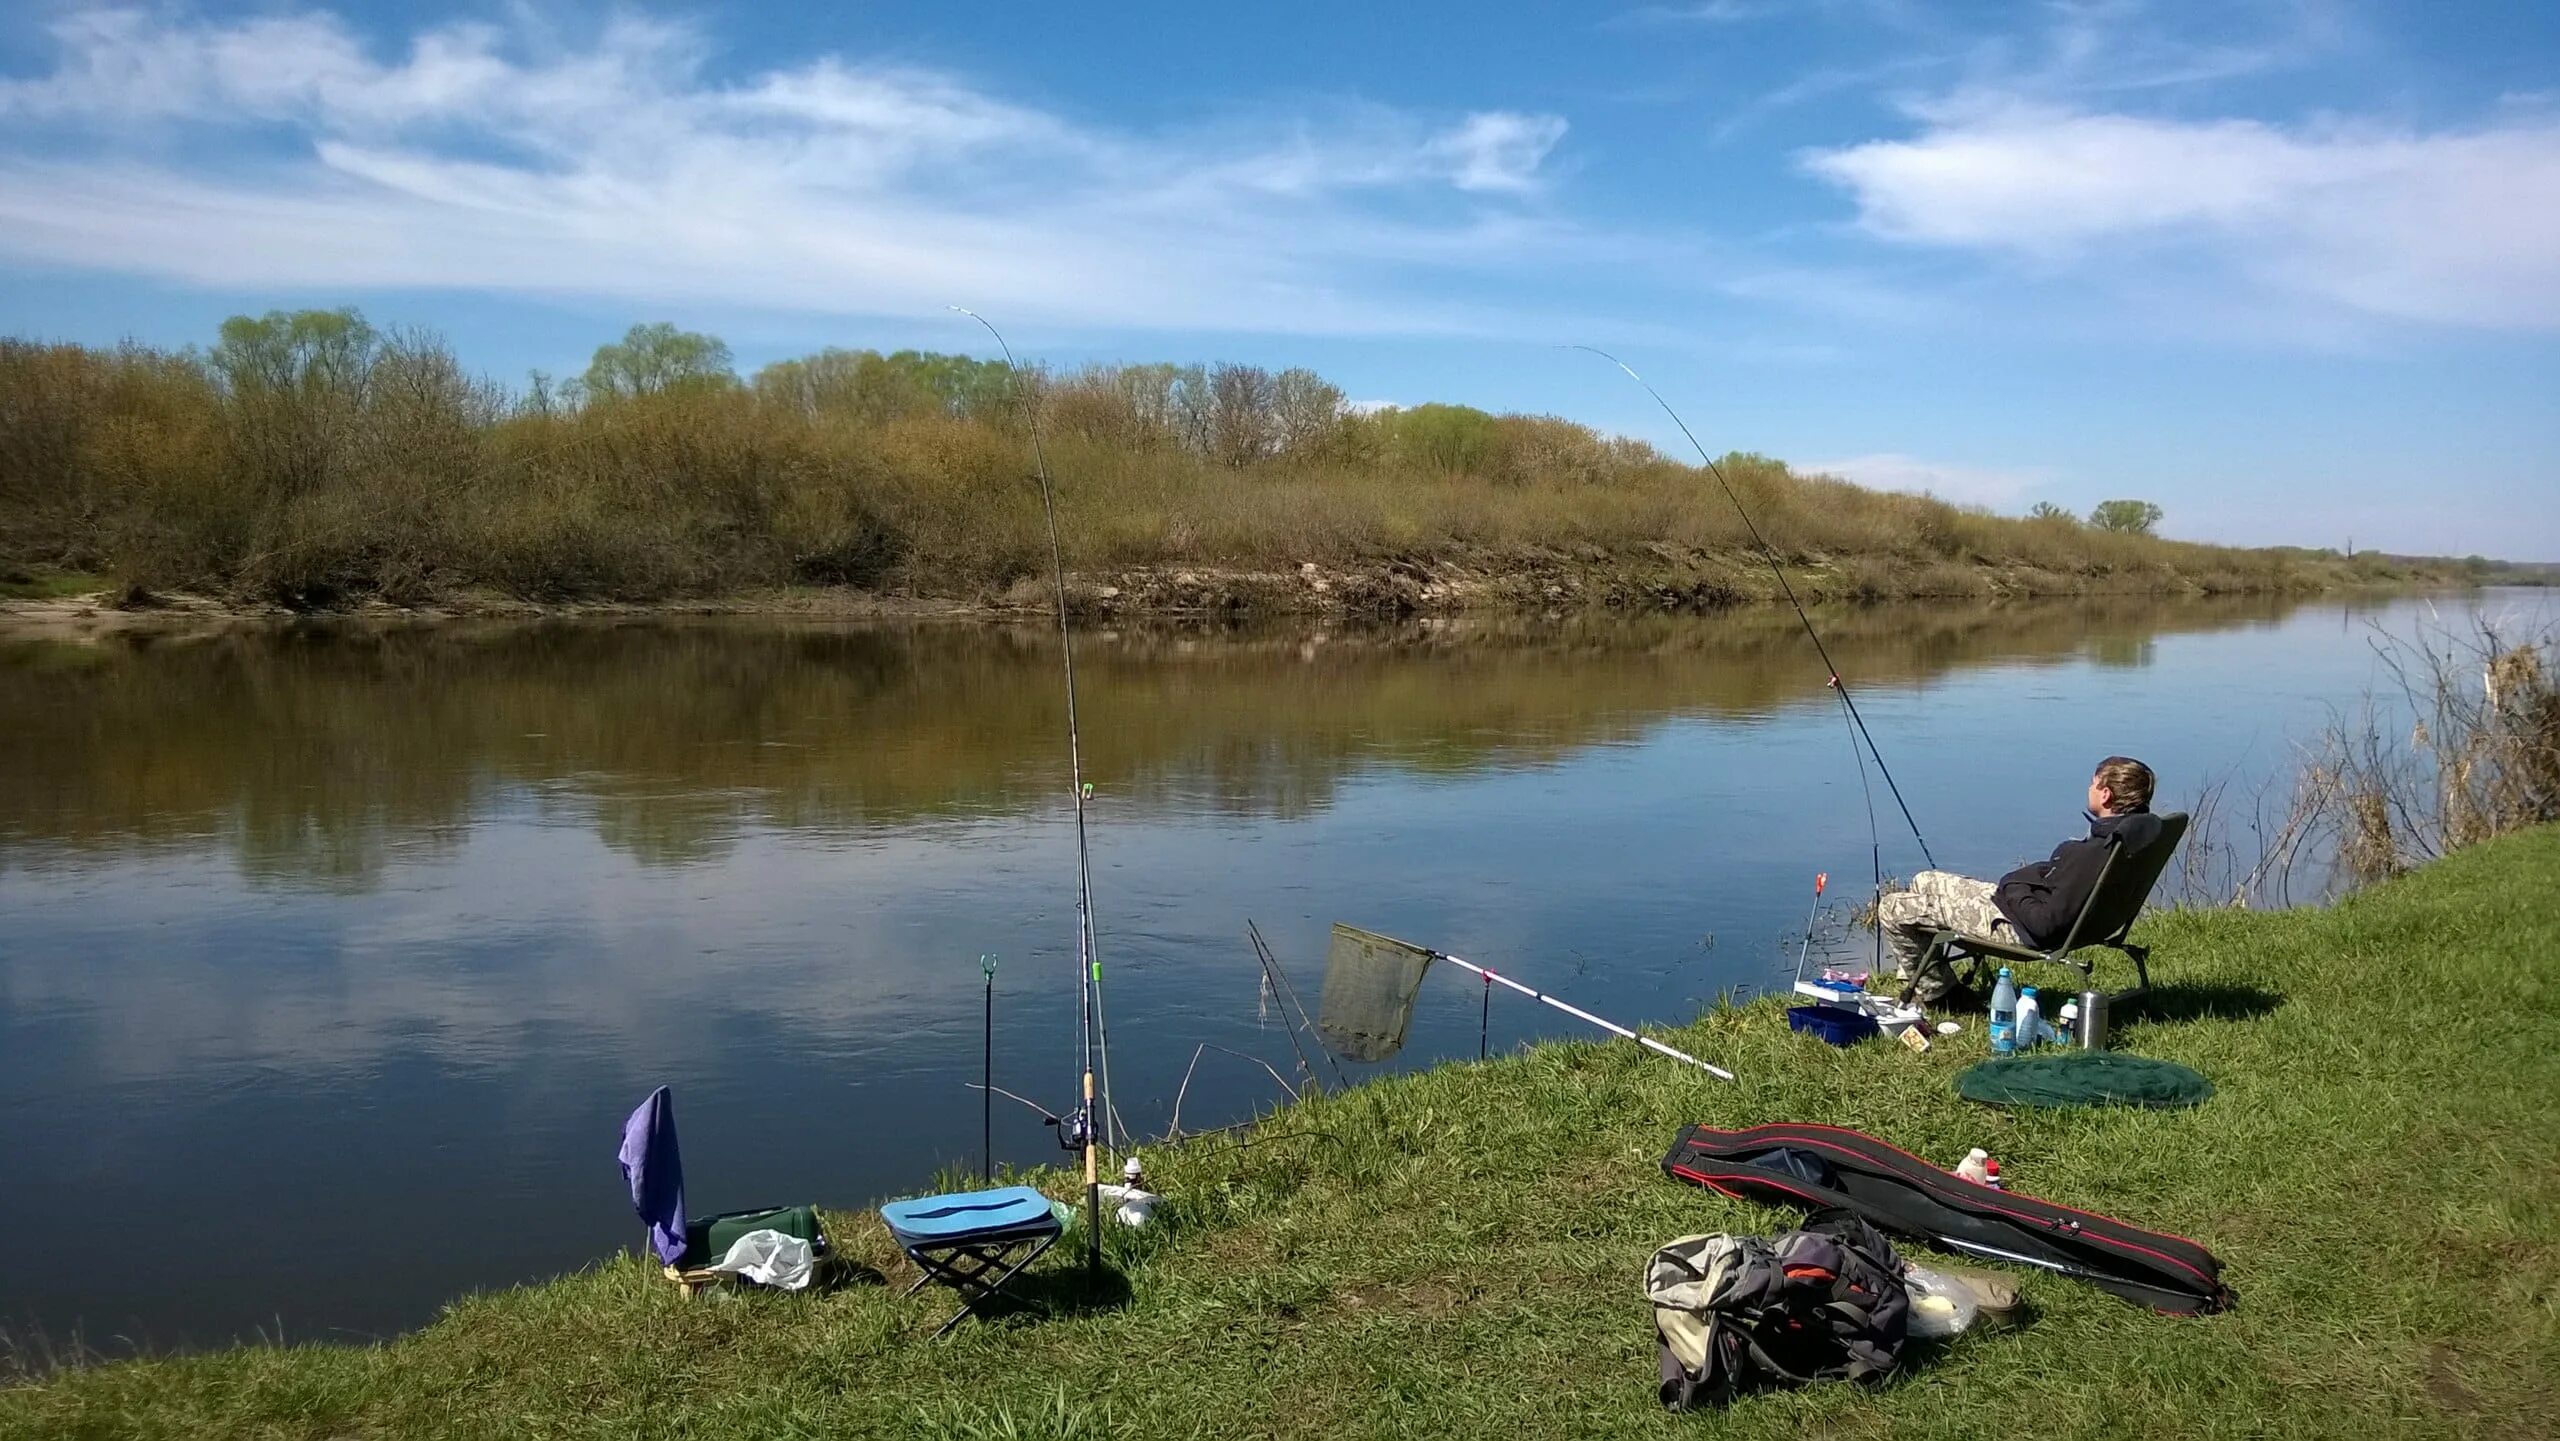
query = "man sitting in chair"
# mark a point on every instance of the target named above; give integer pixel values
(2032, 905)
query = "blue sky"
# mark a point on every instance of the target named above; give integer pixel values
(2289, 267)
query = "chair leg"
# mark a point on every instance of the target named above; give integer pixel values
(980, 1290)
(978, 1273)
(1935, 955)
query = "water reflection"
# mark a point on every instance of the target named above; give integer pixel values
(322, 754)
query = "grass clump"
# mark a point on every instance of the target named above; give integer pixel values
(313, 460)
(1456, 1253)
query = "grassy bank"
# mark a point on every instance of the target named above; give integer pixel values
(311, 461)
(1456, 1253)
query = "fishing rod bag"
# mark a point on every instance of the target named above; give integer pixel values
(1818, 1168)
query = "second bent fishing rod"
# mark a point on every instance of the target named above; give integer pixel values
(1088, 969)
(1769, 554)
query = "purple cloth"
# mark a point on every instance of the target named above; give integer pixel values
(650, 1164)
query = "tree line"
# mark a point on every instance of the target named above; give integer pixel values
(310, 456)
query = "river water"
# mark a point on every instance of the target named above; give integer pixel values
(332, 957)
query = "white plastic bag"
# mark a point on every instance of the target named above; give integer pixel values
(771, 1258)
(1135, 1207)
(1941, 1305)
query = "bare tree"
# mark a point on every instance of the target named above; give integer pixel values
(1244, 426)
(1307, 410)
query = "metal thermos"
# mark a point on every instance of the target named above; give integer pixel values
(2090, 1032)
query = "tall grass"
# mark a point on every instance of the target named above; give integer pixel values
(311, 459)
(2461, 744)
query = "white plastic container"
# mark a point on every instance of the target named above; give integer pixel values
(1893, 1019)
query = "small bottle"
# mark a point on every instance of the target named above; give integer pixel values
(2004, 1015)
(2030, 1020)
(1133, 1175)
(1991, 1175)
(1976, 1166)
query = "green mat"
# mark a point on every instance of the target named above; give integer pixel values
(2083, 1078)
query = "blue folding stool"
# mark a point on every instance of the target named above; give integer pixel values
(967, 1241)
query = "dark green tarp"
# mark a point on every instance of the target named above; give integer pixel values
(709, 1239)
(2083, 1078)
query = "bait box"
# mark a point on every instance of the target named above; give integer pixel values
(1831, 1023)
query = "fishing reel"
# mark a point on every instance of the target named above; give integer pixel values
(1075, 1129)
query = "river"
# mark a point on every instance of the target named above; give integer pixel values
(332, 956)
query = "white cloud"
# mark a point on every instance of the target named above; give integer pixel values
(483, 159)
(1497, 150)
(1963, 484)
(2456, 227)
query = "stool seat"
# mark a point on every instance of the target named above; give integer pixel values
(966, 1215)
(973, 1241)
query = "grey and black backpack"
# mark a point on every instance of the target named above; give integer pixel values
(1737, 1314)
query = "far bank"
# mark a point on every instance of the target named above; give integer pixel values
(1536, 582)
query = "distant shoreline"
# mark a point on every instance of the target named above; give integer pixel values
(1665, 580)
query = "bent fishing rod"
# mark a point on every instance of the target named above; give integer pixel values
(1078, 1130)
(1769, 554)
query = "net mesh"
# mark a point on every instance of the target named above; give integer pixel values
(1370, 982)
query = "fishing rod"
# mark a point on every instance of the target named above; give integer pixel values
(1648, 1042)
(2059, 1268)
(1278, 980)
(1769, 554)
(1077, 1131)
(1820, 879)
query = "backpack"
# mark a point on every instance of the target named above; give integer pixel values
(1736, 1314)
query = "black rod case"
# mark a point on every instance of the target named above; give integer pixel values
(1819, 1168)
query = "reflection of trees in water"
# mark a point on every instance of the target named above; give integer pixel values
(316, 754)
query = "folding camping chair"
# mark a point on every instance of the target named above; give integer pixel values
(967, 1240)
(2125, 880)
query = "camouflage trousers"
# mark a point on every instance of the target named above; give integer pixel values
(1936, 901)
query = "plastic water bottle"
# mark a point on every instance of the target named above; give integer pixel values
(2004, 1015)
(2030, 1020)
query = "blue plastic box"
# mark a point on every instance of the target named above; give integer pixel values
(1839, 1027)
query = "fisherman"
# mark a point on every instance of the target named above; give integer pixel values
(2033, 905)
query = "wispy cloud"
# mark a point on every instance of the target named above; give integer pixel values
(487, 158)
(1699, 12)
(1964, 484)
(2457, 227)
(1496, 150)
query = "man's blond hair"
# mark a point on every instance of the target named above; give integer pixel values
(2128, 780)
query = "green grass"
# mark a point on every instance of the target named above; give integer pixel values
(1456, 1253)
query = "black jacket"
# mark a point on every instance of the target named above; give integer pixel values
(2043, 898)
